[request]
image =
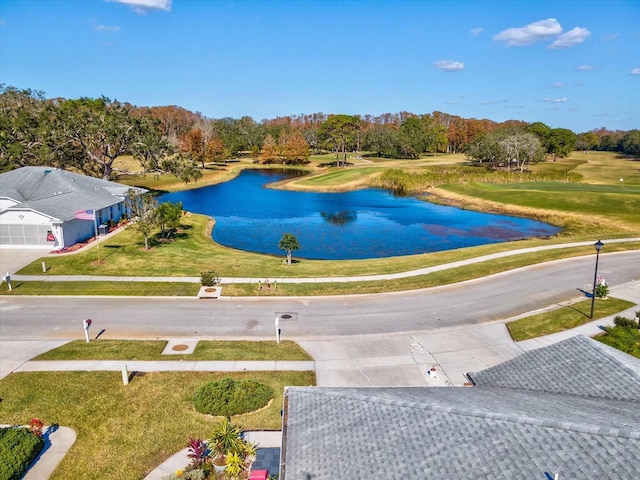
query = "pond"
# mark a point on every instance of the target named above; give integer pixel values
(369, 223)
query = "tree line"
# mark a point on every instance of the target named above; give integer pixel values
(88, 135)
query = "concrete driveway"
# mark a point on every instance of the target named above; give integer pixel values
(13, 259)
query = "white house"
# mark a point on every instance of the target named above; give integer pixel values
(38, 207)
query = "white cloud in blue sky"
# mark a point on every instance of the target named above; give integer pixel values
(273, 58)
(449, 65)
(571, 38)
(530, 34)
(142, 6)
(108, 28)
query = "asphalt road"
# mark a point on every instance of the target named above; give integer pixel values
(479, 301)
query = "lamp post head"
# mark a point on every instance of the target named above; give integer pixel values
(598, 245)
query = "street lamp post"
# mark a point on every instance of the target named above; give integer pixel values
(598, 246)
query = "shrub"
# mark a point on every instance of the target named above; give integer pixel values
(198, 452)
(623, 322)
(602, 290)
(208, 279)
(227, 438)
(196, 474)
(18, 447)
(229, 397)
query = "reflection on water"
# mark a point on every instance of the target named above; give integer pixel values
(340, 218)
(350, 225)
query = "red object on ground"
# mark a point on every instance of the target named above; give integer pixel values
(259, 475)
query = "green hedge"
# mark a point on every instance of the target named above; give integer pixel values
(18, 447)
(229, 397)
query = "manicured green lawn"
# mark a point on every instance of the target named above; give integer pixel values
(367, 267)
(624, 339)
(138, 289)
(564, 318)
(152, 350)
(614, 204)
(125, 431)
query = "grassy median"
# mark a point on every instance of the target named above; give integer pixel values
(151, 350)
(564, 318)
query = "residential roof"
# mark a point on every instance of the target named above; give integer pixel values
(58, 193)
(577, 366)
(488, 431)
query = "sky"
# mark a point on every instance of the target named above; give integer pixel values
(567, 63)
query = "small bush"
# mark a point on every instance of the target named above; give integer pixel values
(18, 447)
(602, 290)
(208, 279)
(623, 322)
(229, 397)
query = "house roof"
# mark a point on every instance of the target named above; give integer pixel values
(58, 193)
(579, 366)
(488, 431)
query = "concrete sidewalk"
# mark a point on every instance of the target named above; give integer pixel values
(163, 366)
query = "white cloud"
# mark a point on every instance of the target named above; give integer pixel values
(476, 31)
(584, 68)
(529, 34)
(571, 38)
(635, 71)
(555, 100)
(141, 6)
(449, 65)
(107, 28)
(556, 85)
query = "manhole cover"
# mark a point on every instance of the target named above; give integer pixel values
(179, 348)
(286, 316)
(209, 290)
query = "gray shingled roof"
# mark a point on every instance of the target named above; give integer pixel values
(470, 433)
(59, 193)
(577, 366)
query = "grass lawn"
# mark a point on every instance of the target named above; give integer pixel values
(125, 431)
(564, 318)
(152, 350)
(624, 339)
(612, 206)
(137, 289)
(126, 266)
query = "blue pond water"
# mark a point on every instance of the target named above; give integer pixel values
(368, 223)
